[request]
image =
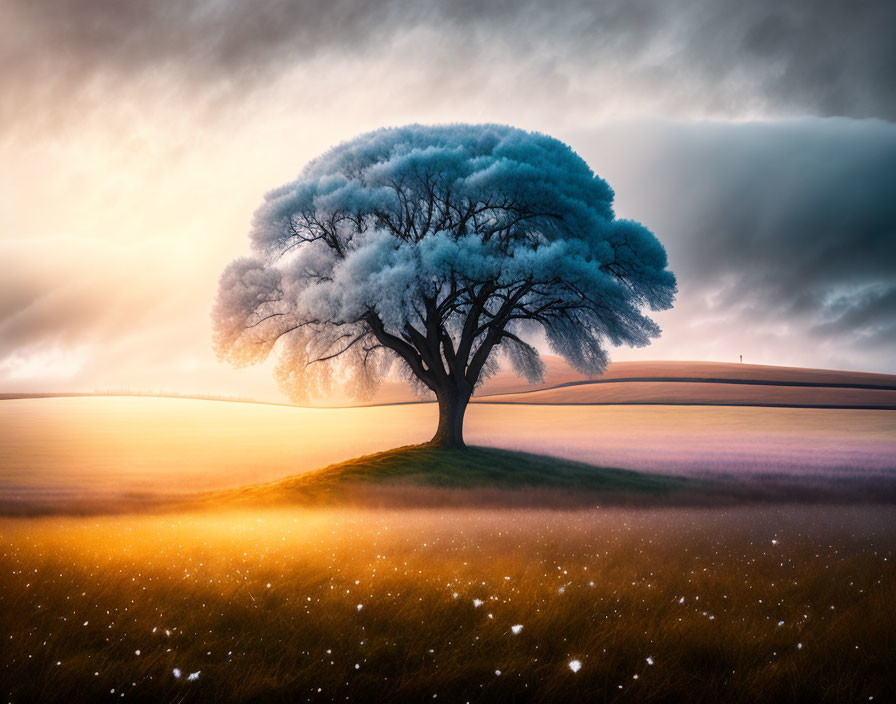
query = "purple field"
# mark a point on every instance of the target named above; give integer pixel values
(101, 447)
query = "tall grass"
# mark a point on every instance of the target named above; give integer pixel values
(761, 604)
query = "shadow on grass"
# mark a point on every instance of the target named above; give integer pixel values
(424, 476)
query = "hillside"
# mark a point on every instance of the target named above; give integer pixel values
(469, 469)
(718, 393)
(692, 419)
(712, 383)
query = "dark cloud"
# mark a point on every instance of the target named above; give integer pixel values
(709, 57)
(789, 226)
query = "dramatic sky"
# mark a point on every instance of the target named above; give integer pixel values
(756, 139)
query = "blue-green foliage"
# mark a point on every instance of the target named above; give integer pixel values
(412, 225)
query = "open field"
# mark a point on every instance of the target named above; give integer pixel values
(260, 594)
(68, 449)
(772, 604)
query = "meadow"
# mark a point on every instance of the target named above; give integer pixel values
(184, 550)
(774, 603)
(72, 450)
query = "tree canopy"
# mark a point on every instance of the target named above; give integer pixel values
(441, 249)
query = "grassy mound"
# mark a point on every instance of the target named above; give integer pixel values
(424, 466)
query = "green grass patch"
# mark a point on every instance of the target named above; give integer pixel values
(469, 468)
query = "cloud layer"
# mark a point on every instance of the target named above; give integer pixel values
(137, 138)
(706, 58)
(786, 230)
(781, 236)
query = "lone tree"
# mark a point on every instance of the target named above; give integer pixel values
(441, 249)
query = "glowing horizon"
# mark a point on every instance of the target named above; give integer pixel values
(132, 167)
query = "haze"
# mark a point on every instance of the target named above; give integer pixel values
(137, 142)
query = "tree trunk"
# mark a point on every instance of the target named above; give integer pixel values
(452, 405)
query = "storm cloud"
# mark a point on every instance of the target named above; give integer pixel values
(705, 58)
(756, 139)
(788, 226)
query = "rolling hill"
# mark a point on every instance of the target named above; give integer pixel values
(712, 383)
(688, 419)
(474, 468)
(665, 383)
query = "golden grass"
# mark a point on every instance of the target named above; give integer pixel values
(771, 604)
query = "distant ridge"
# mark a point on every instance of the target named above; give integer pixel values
(711, 380)
(635, 383)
